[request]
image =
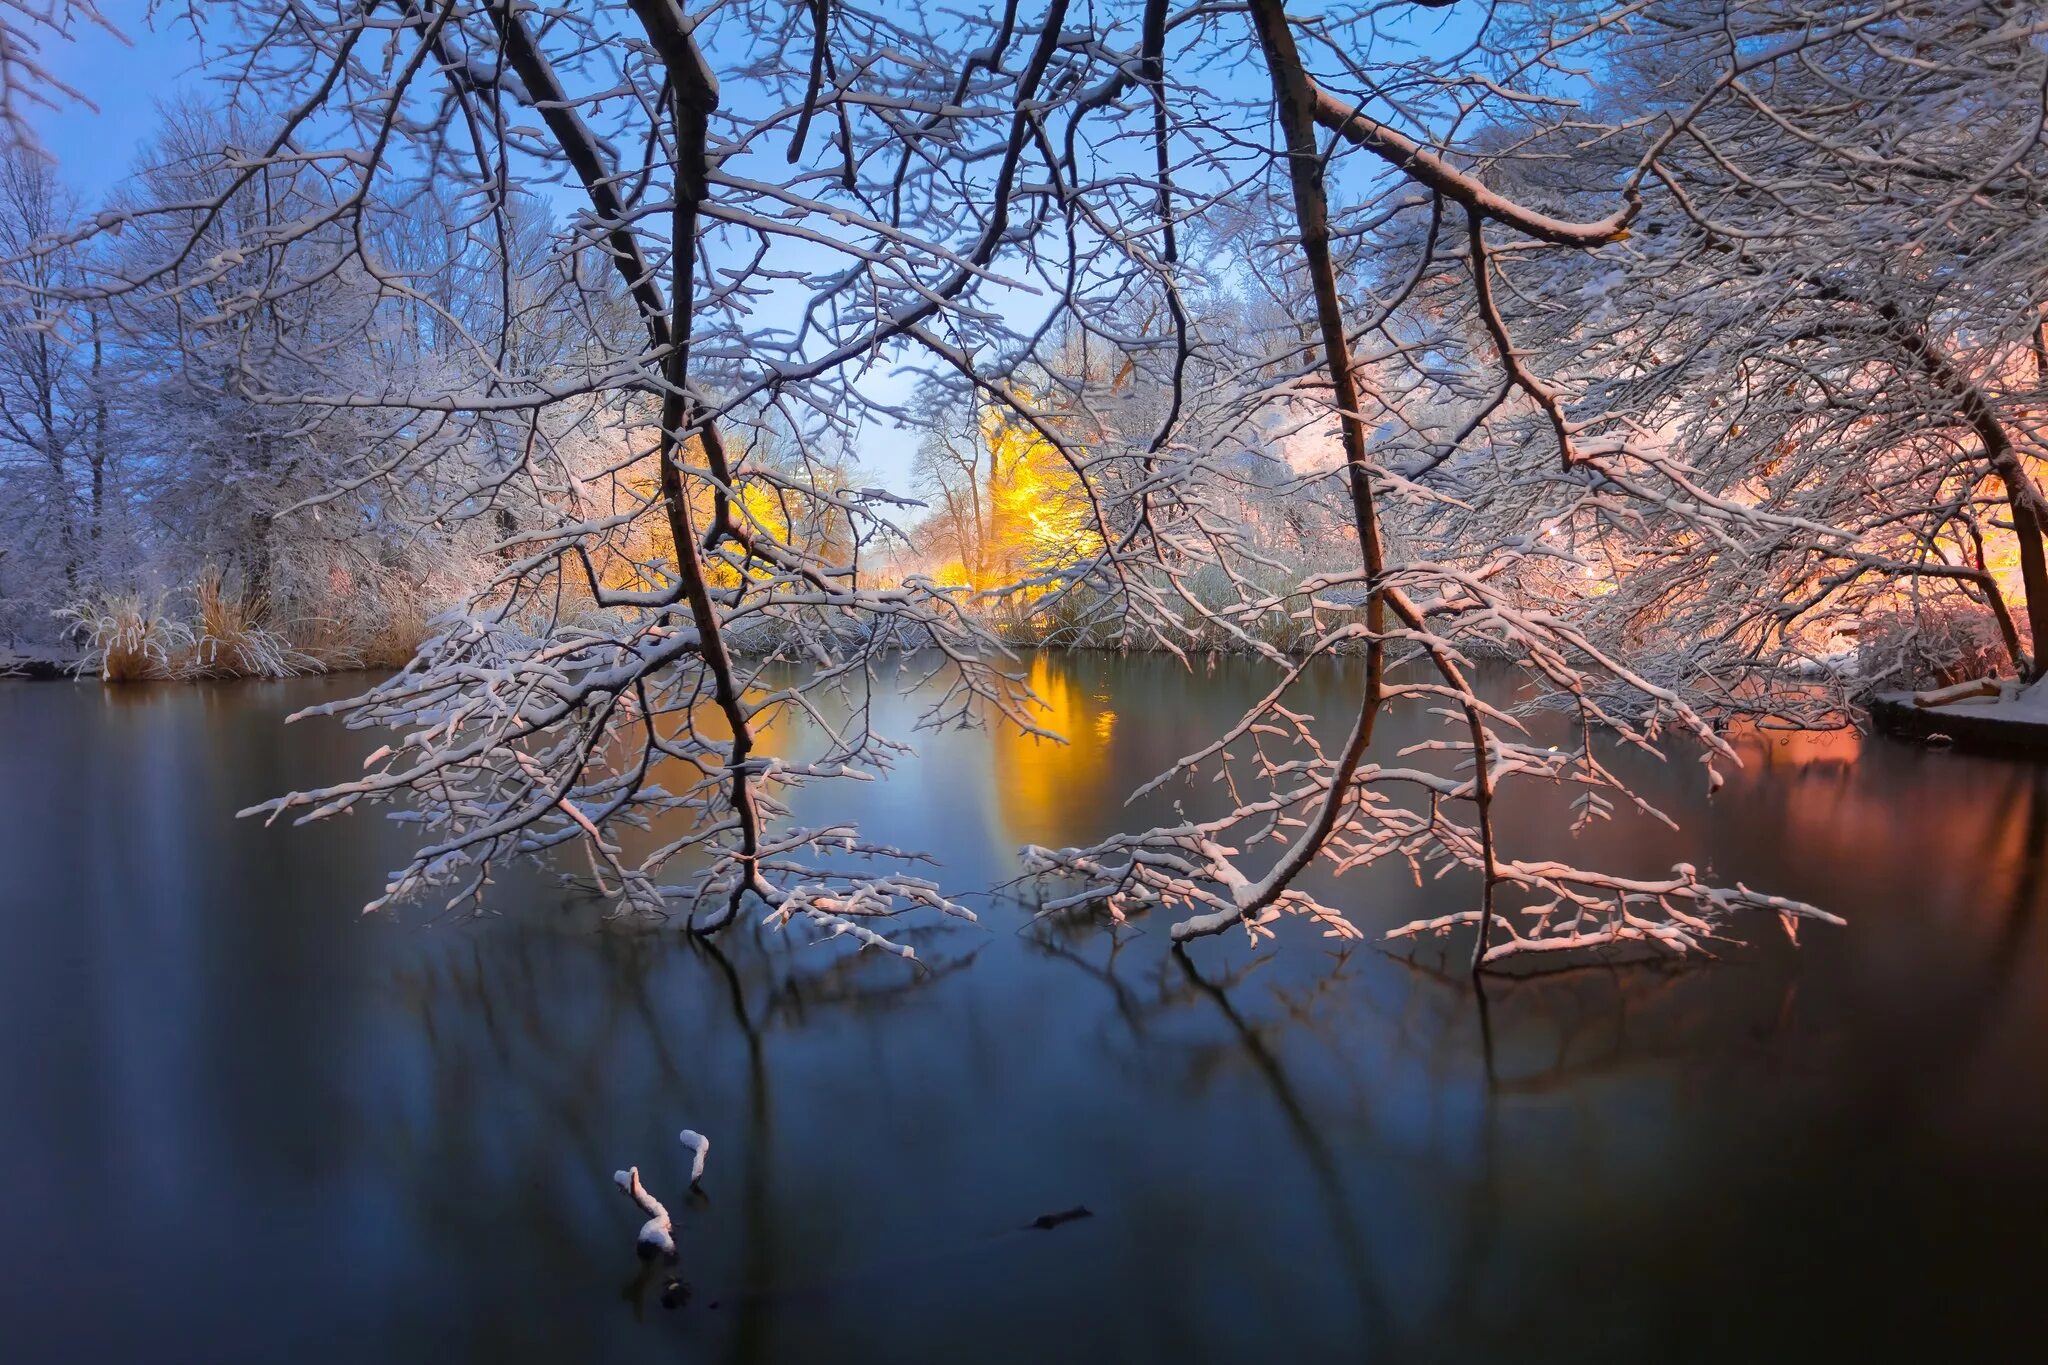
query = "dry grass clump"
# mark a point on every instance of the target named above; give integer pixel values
(1931, 644)
(386, 634)
(129, 638)
(391, 645)
(326, 640)
(227, 634)
(231, 641)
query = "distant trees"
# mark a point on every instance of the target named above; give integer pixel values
(160, 471)
(54, 442)
(1008, 510)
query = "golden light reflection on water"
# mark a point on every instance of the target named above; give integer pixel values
(1767, 750)
(1834, 796)
(1039, 783)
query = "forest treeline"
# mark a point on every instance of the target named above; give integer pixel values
(1828, 314)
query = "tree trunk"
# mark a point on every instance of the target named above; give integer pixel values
(2028, 530)
(99, 438)
(2022, 497)
(1294, 96)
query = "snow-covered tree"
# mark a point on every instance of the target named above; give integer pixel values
(1828, 318)
(55, 448)
(1028, 207)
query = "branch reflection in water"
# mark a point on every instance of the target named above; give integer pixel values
(1287, 1151)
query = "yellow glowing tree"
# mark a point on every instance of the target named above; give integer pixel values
(1037, 510)
(638, 554)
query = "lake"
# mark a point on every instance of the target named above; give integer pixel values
(244, 1122)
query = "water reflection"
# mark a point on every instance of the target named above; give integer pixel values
(333, 1138)
(1036, 781)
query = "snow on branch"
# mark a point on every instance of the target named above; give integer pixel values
(25, 79)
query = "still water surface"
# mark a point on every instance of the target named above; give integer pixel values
(238, 1121)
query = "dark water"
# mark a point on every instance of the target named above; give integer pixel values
(240, 1122)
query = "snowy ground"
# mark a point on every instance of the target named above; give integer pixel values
(2014, 720)
(36, 663)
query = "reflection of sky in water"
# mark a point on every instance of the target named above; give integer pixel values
(244, 1123)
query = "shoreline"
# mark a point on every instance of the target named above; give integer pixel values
(1998, 727)
(1995, 727)
(40, 668)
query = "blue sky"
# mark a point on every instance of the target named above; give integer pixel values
(126, 80)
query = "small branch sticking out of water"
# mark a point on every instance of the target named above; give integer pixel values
(658, 1233)
(1046, 1222)
(701, 1145)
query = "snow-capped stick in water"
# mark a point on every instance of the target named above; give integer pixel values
(700, 1146)
(657, 1234)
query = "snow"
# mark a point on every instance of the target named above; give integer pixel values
(657, 1234)
(700, 1147)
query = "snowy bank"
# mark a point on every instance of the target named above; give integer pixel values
(2013, 721)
